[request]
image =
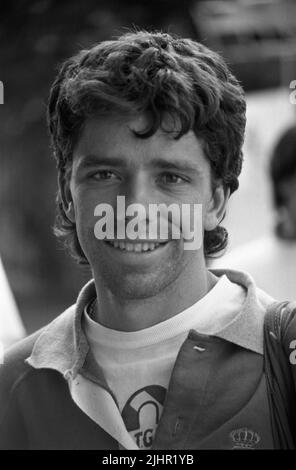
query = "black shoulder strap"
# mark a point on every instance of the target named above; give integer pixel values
(280, 385)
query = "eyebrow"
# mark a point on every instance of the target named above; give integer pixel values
(90, 161)
(179, 165)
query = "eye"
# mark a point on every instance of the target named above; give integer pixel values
(171, 178)
(104, 175)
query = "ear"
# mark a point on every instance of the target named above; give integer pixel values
(216, 207)
(66, 195)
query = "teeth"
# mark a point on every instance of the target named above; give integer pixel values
(135, 247)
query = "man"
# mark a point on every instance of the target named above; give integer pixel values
(158, 352)
(275, 252)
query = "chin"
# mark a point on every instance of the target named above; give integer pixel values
(137, 281)
(138, 286)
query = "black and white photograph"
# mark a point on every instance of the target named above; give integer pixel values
(148, 229)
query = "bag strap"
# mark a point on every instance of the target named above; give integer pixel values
(280, 385)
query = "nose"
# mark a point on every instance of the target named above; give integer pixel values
(138, 190)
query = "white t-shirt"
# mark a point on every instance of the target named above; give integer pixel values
(138, 365)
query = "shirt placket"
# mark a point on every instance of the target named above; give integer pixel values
(186, 398)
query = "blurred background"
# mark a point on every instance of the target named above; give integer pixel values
(258, 39)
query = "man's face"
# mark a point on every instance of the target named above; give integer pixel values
(109, 160)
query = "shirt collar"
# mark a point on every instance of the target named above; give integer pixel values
(63, 346)
(246, 329)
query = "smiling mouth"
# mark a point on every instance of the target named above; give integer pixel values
(135, 247)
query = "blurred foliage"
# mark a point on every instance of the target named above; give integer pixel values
(35, 37)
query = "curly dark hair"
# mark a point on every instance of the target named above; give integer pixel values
(157, 73)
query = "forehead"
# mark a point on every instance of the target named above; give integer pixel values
(116, 137)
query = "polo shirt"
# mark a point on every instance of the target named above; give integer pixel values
(216, 399)
(138, 364)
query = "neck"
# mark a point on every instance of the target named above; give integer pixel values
(125, 314)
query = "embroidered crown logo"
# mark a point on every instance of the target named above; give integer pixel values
(244, 438)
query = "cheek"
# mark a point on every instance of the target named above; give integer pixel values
(203, 199)
(84, 206)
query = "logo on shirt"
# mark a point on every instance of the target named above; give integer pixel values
(244, 438)
(142, 412)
